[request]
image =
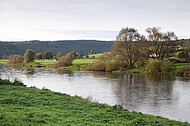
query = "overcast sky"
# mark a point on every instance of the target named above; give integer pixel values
(86, 19)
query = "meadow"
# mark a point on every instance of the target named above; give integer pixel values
(21, 105)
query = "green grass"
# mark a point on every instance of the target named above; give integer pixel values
(177, 65)
(96, 55)
(46, 63)
(20, 105)
(82, 61)
(3, 61)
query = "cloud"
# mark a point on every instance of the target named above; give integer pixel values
(23, 16)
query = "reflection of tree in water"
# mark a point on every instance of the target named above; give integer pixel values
(134, 91)
(185, 79)
(30, 71)
(69, 73)
(109, 75)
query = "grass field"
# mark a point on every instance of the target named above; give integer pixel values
(82, 61)
(177, 65)
(96, 55)
(20, 105)
(3, 61)
(46, 63)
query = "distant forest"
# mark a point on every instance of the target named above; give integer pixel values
(66, 46)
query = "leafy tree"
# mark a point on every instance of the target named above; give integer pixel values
(29, 56)
(15, 59)
(38, 56)
(59, 54)
(47, 55)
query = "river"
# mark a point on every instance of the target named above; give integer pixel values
(165, 96)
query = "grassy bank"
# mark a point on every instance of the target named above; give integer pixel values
(3, 61)
(45, 63)
(20, 105)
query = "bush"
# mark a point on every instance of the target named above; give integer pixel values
(183, 71)
(47, 55)
(106, 62)
(15, 59)
(66, 60)
(38, 56)
(29, 56)
(167, 66)
(154, 66)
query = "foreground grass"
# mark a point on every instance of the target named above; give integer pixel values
(20, 105)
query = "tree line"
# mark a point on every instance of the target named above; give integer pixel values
(132, 50)
(65, 46)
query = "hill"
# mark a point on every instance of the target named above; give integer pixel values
(65, 46)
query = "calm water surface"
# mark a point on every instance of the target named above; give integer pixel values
(157, 95)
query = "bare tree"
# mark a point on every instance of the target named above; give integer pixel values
(160, 43)
(129, 46)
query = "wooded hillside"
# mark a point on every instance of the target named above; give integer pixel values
(66, 46)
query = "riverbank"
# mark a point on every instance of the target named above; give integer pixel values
(22, 105)
(82, 64)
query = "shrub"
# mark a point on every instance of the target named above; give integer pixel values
(66, 60)
(38, 56)
(59, 54)
(183, 71)
(15, 59)
(167, 66)
(29, 56)
(106, 62)
(154, 66)
(47, 55)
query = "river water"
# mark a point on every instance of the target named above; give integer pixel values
(156, 95)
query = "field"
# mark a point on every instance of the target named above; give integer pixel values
(20, 105)
(95, 55)
(177, 65)
(46, 62)
(3, 61)
(82, 61)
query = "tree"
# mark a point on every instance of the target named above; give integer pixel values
(38, 56)
(128, 46)
(185, 53)
(59, 54)
(5, 57)
(92, 52)
(15, 59)
(29, 56)
(48, 55)
(161, 44)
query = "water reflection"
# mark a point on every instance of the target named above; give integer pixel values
(157, 95)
